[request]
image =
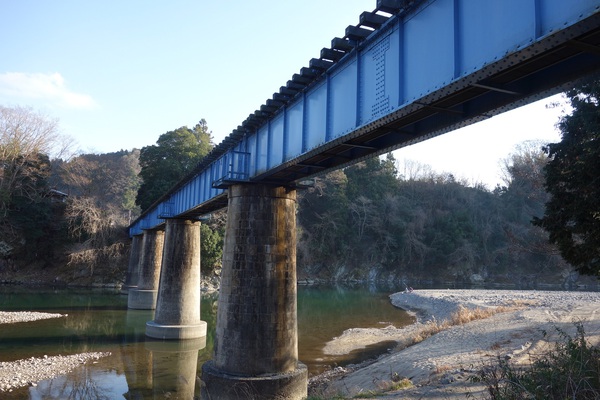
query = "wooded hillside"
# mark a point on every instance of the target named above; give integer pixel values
(376, 220)
(371, 221)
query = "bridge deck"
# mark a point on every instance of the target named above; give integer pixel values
(410, 70)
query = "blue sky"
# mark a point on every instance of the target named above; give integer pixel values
(118, 74)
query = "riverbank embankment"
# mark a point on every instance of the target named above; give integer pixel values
(441, 366)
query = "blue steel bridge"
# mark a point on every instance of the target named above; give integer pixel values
(408, 71)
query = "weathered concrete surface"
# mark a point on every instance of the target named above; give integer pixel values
(143, 297)
(132, 267)
(256, 345)
(178, 304)
(222, 386)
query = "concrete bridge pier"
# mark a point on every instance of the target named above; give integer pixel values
(133, 266)
(143, 297)
(256, 345)
(177, 313)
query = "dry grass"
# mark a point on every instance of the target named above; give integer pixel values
(383, 387)
(388, 386)
(520, 303)
(462, 316)
(440, 369)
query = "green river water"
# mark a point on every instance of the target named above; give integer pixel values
(139, 368)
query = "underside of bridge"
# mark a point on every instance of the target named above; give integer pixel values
(496, 88)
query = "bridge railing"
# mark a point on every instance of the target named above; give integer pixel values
(235, 168)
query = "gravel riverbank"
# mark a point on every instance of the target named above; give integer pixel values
(7, 317)
(27, 372)
(440, 366)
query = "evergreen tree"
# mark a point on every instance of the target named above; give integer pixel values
(572, 215)
(211, 248)
(323, 222)
(175, 154)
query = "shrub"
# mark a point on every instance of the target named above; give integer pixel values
(570, 371)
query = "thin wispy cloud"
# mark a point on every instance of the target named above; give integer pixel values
(50, 89)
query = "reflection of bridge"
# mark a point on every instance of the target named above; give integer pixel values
(410, 70)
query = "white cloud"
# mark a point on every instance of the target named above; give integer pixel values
(48, 88)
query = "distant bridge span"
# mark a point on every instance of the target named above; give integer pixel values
(409, 71)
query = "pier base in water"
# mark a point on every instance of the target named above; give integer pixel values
(140, 299)
(133, 265)
(219, 385)
(178, 303)
(144, 296)
(256, 345)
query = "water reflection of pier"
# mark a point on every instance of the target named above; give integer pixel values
(156, 368)
(174, 365)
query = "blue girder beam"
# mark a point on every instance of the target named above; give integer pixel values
(410, 70)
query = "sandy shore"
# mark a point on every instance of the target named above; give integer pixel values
(28, 372)
(441, 365)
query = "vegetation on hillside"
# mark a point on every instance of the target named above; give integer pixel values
(71, 212)
(28, 212)
(100, 191)
(370, 220)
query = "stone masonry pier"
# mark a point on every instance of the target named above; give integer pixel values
(178, 304)
(133, 265)
(143, 297)
(256, 346)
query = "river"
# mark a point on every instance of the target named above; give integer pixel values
(139, 368)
